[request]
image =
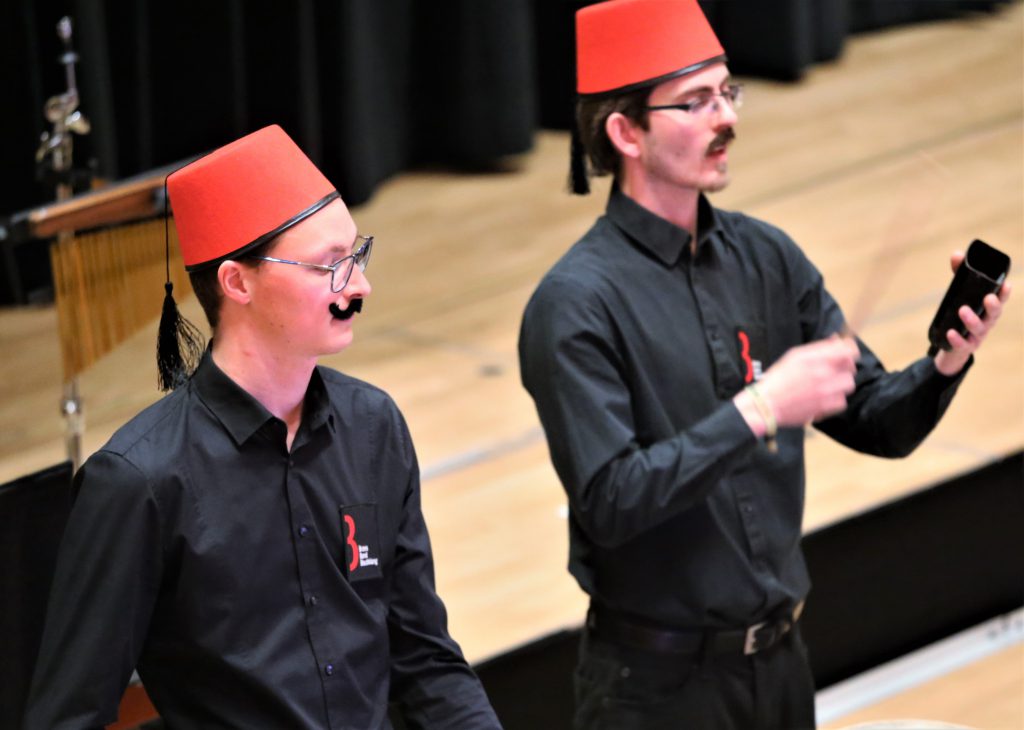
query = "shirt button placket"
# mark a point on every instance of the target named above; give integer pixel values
(305, 549)
(752, 527)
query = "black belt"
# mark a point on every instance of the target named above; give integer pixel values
(614, 627)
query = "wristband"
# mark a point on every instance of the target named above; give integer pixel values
(770, 425)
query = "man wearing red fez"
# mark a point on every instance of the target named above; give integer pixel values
(675, 354)
(253, 543)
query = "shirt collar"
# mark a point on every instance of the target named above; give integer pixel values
(240, 413)
(667, 241)
(318, 403)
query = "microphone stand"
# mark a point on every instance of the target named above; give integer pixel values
(55, 152)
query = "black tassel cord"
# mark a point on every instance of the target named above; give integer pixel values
(578, 182)
(179, 343)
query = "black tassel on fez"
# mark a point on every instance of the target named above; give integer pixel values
(179, 344)
(578, 182)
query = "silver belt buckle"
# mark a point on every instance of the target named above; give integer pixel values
(750, 642)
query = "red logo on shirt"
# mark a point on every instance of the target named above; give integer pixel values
(748, 377)
(362, 548)
(350, 541)
(751, 366)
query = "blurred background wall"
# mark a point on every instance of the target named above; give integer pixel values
(367, 88)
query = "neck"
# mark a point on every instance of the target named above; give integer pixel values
(276, 380)
(675, 204)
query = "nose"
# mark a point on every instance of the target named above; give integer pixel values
(358, 285)
(725, 112)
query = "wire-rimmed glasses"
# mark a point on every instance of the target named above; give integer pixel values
(707, 101)
(341, 270)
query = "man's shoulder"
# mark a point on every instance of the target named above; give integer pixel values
(587, 267)
(344, 386)
(768, 248)
(348, 394)
(149, 442)
(743, 226)
(155, 423)
(366, 412)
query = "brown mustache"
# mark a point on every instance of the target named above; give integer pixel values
(721, 140)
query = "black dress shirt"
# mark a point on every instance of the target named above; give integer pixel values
(253, 587)
(632, 350)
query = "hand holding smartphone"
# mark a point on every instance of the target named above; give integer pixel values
(982, 272)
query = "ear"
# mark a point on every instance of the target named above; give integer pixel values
(234, 281)
(625, 135)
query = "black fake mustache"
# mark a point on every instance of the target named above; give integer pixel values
(356, 305)
(721, 139)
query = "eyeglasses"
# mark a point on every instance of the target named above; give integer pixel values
(341, 270)
(707, 102)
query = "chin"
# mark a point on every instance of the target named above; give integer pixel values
(333, 344)
(341, 343)
(717, 185)
(336, 347)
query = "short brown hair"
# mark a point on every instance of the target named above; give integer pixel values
(591, 116)
(206, 285)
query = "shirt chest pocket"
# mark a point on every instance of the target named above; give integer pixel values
(752, 351)
(741, 355)
(361, 544)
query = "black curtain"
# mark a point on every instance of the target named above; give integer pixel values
(777, 39)
(366, 87)
(873, 14)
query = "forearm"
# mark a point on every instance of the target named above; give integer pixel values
(891, 414)
(448, 697)
(431, 681)
(642, 487)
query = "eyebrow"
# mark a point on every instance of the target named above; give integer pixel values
(706, 88)
(343, 247)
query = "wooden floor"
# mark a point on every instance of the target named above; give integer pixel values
(907, 148)
(988, 693)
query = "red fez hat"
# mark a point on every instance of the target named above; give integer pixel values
(242, 195)
(226, 203)
(627, 44)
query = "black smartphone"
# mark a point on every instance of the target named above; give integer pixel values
(982, 272)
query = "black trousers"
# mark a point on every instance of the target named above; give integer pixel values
(619, 688)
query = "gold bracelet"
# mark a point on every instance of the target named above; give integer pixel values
(771, 427)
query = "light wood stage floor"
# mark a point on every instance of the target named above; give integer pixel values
(908, 147)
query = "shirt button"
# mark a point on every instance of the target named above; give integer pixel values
(303, 531)
(313, 600)
(624, 672)
(329, 670)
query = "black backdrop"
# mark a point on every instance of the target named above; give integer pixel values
(366, 87)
